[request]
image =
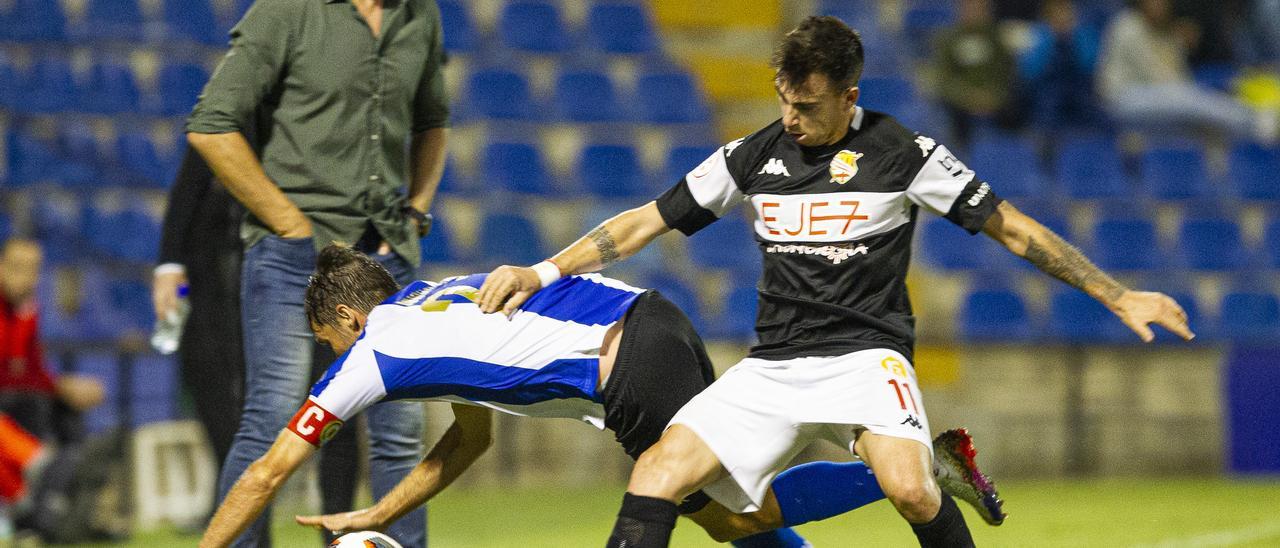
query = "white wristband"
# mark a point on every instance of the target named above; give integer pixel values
(547, 272)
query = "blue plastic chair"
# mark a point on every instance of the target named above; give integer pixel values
(193, 20)
(671, 97)
(922, 21)
(507, 238)
(738, 319)
(1271, 243)
(11, 82)
(113, 19)
(532, 26)
(621, 28)
(30, 159)
(37, 21)
(1175, 173)
(586, 95)
(728, 243)
(995, 314)
(886, 94)
(500, 94)
(683, 159)
(1077, 318)
(1010, 163)
(1091, 168)
(51, 87)
(179, 87)
(1252, 169)
(1127, 244)
(680, 294)
(155, 389)
(950, 247)
(112, 90)
(145, 166)
(1250, 316)
(437, 246)
(459, 28)
(517, 167)
(1211, 244)
(611, 171)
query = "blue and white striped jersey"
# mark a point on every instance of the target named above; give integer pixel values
(431, 342)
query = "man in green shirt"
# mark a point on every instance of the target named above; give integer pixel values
(349, 86)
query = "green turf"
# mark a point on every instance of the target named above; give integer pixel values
(1050, 513)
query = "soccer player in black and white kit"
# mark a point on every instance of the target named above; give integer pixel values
(836, 190)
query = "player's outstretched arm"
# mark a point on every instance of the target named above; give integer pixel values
(507, 287)
(255, 488)
(467, 438)
(1034, 242)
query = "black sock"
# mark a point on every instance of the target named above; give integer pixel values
(643, 522)
(947, 529)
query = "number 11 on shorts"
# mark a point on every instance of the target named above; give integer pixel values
(904, 387)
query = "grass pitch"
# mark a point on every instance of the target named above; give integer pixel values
(1122, 513)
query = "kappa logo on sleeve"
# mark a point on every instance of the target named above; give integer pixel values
(315, 424)
(926, 144)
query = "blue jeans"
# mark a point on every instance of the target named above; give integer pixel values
(278, 347)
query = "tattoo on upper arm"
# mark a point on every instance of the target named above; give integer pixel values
(605, 244)
(1063, 261)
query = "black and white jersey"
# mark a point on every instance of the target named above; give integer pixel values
(835, 225)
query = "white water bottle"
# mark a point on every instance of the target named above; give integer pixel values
(168, 332)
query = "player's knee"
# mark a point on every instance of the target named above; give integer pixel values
(656, 474)
(917, 501)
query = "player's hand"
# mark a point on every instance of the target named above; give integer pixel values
(164, 292)
(359, 520)
(506, 288)
(1137, 309)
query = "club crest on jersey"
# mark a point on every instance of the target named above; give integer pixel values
(844, 166)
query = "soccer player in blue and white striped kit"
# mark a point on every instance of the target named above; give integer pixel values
(586, 347)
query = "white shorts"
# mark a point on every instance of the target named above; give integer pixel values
(761, 413)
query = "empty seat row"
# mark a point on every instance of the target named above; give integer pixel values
(50, 85)
(539, 27)
(1003, 314)
(663, 95)
(124, 20)
(77, 160)
(1205, 243)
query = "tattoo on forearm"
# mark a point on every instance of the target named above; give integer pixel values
(1063, 261)
(605, 244)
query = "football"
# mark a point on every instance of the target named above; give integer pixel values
(364, 539)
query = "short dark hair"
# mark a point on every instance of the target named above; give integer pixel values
(345, 276)
(821, 44)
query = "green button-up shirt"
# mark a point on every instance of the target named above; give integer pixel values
(342, 107)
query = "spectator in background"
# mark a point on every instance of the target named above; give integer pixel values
(46, 405)
(1058, 65)
(976, 72)
(354, 152)
(1145, 81)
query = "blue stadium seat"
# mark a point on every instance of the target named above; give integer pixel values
(1175, 173)
(179, 86)
(671, 97)
(510, 239)
(459, 28)
(501, 94)
(130, 234)
(104, 366)
(532, 26)
(437, 246)
(1271, 243)
(1250, 316)
(36, 21)
(112, 89)
(1075, 317)
(1009, 162)
(11, 84)
(57, 324)
(30, 159)
(193, 20)
(51, 87)
(243, 6)
(1126, 244)
(155, 389)
(79, 163)
(738, 319)
(1211, 243)
(143, 163)
(621, 27)
(886, 94)
(1090, 167)
(452, 182)
(130, 300)
(113, 19)
(612, 171)
(728, 243)
(517, 167)
(995, 314)
(1252, 169)
(585, 95)
(950, 247)
(683, 159)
